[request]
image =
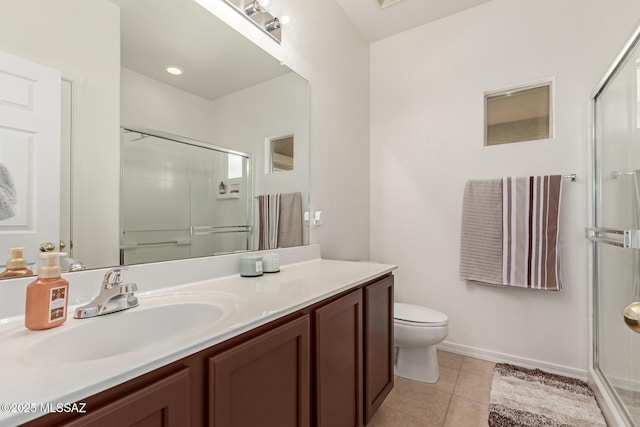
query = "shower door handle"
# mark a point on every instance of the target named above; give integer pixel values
(614, 236)
(631, 315)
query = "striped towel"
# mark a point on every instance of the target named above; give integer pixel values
(510, 230)
(269, 219)
(530, 244)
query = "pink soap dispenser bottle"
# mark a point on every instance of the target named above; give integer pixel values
(47, 296)
(17, 265)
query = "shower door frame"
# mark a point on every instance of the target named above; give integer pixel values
(613, 409)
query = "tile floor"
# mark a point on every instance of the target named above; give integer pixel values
(460, 398)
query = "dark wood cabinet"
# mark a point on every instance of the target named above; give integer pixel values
(378, 344)
(338, 362)
(164, 403)
(326, 365)
(264, 381)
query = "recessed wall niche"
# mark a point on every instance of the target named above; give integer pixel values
(522, 113)
(279, 154)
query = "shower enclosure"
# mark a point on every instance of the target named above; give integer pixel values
(615, 367)
(181, 199)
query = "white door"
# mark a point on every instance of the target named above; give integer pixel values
(29, 156)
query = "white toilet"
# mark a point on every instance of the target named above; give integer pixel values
(417, 330)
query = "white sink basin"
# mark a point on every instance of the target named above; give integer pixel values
(159, 322)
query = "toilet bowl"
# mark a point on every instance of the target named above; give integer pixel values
(417, 330)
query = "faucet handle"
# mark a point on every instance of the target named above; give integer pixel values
(113, 277)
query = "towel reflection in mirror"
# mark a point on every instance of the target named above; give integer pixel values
(8, 196)
(280, 220)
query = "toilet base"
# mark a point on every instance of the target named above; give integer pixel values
(419, 364)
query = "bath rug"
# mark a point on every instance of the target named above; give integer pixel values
(531, 398)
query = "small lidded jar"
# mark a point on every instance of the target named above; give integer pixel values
(251, 265)
(271, 262)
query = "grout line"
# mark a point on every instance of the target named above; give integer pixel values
(455, 383)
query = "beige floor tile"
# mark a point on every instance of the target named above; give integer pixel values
(447, 380)
(478, 367)
(421, 400)
(388, 416)
(449, 360)
(466, 413)
(474, 387)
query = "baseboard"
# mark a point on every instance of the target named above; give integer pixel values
(494, 356)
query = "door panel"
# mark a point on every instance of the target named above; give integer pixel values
(30, 144)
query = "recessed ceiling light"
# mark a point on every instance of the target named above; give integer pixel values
(172, 69)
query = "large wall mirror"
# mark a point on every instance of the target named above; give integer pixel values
(166, 117)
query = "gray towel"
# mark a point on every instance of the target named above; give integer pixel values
(290, 224)
(481, 234)
(8, 197)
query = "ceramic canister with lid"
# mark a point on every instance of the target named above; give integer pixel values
(271, 262)
(251, 265)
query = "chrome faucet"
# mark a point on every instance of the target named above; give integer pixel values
(113, 296)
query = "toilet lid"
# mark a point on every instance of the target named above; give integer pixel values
(418, 314)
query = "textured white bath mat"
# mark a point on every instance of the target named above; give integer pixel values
(531, 398)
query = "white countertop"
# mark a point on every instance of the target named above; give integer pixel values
(256, 301)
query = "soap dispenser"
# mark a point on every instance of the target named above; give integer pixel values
(17, 265)
(47, 296)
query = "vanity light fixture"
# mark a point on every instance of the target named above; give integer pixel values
(260, 14)
(252, 8)
(272, 25)
(172, 69)
(387, 3)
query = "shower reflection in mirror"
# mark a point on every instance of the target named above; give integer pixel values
(171, 206)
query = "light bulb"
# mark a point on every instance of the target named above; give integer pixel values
(284, 19)
(172, 69)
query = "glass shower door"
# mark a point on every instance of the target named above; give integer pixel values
(616, 268)
(182, 200)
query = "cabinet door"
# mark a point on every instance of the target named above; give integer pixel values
(378, 344)
(164, 403)
(264, 381)
(338, 332)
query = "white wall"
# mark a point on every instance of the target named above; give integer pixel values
(46, 32)
(151, 104)
(427, 89)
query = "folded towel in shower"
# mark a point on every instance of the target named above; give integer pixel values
(481, 234)
(268, 220)
(8, 197)
(290, 225)
(510, 230)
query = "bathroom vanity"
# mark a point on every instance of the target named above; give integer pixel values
(311, 345)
